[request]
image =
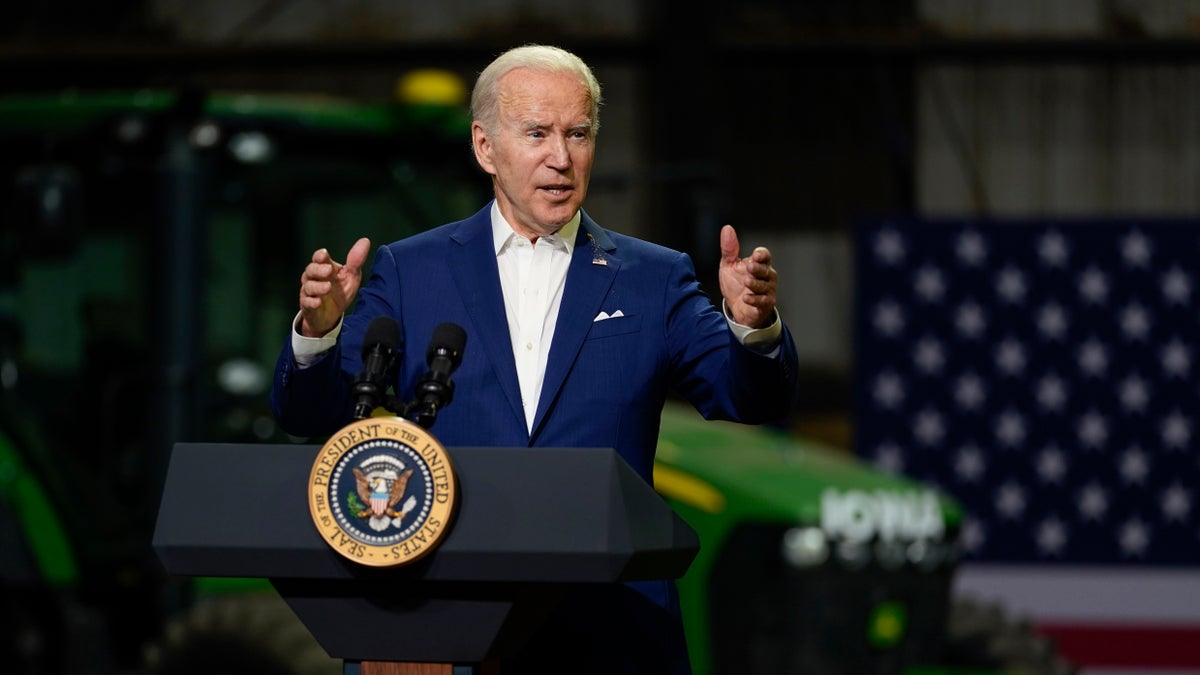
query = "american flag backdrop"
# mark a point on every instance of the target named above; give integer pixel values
(1047, 375)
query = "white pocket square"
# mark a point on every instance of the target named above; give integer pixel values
(605, 315)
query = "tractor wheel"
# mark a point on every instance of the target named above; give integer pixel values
(251, 634)
(983, 635)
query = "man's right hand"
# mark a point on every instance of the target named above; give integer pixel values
(327, 288)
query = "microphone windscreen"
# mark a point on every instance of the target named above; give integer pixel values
(449, 339)
(382, 331)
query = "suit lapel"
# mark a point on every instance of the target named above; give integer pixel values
(587, 284)
(472, 262)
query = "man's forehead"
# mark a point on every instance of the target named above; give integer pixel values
(527, 87)
(540, 117)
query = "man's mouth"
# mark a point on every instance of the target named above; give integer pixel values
(557, 190)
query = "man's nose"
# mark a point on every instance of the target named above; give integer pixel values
(558, 156)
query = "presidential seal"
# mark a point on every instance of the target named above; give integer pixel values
(382, 492)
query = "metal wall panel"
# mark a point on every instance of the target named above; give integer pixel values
(1103, 138)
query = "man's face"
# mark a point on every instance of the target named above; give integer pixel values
(540, 155)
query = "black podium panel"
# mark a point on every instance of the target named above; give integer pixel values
(525, 514)
(531, 522)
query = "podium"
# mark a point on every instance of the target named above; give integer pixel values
(531, 523)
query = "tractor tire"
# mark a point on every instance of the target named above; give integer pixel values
(250, 634)
(982, 635)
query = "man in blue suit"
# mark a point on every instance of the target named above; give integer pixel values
(577, 334)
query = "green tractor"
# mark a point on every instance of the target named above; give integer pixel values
(811, 561)
(153, 241)
(815, 563)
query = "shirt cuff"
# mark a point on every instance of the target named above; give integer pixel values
(765, 341)
(306, 350)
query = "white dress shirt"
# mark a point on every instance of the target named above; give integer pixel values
(532, 277)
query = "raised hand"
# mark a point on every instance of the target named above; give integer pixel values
(747, 284)
(327, 288)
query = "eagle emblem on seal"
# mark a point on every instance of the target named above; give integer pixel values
(380, 489)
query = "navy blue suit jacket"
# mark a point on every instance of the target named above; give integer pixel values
(606, 381)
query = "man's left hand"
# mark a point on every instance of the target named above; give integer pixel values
(747, 284)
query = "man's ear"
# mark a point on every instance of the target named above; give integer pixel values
(482, 144)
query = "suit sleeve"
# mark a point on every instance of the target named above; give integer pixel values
(709, 367)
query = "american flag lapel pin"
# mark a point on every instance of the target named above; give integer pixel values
(597, 255)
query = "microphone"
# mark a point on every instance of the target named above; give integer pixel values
(434, 389)
(379, 350)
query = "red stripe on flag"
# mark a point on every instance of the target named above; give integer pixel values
(1147, 646)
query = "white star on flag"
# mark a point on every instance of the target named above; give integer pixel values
(1135, 249)
(1093, 286)
(1052, 248)
(1010, 285)
(929, 285)
(1052, 321)
(1051, 465)
(1176, 286)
